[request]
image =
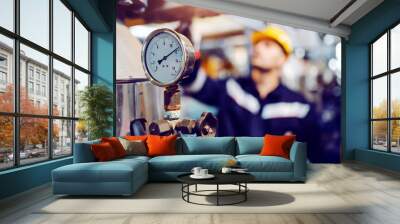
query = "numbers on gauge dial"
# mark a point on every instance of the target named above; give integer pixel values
(164, 58)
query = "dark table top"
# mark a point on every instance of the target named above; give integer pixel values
(220, 178)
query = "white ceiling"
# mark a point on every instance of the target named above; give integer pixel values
(324, 16)
(321, 9)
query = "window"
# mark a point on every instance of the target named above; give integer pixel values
(30, 88)
(81, 81)
(62, 29)
(3, 61)
(385, 96)
(33, 140)
(7, 73)
(3, 72)
(7, 14)
(81, 45)
(47, 76)
(35, 21)
(395, 47)
(62, 137)
(62, 74)
(44, 91)
(38, 89)
(30, 72)
(3, 78)
(38, 74)
(6, 142)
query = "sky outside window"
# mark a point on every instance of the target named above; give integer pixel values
(395, 47)
(35, 21)
(62, 29)
(81, 45)
(7, 14)
(379, 56)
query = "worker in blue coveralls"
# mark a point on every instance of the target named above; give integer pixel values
(259, 103)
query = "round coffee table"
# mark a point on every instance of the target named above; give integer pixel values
(238, 179)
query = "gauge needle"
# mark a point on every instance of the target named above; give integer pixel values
(166, 56)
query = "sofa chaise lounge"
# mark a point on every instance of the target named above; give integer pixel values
(125, 176)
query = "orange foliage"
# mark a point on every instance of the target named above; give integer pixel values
(33, 130)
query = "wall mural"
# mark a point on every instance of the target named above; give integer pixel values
(247, 77)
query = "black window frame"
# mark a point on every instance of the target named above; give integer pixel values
(16, 115)
(388, 74)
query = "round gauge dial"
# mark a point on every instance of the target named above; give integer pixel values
(166, 57)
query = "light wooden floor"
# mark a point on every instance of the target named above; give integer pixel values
(379, 189)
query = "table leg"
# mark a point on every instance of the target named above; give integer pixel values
(188, 190)
(217, 194)
(245, 193)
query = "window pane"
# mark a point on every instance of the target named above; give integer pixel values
(379, 135)
(7, 14)
(35, 21)
(62, 89)
(379, 97)
(81, 131)
(81, 45)
(395, 136)
(6, 142)
(62, 138)
(62, 29)
(81, 81)
(379, 55)
(395, 95)
(34, 97)
(395, 47)
(6, 74)
(33, 139)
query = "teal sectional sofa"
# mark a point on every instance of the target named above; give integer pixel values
(125, 176)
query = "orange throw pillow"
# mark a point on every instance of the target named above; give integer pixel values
(277, 145)
(161, 145)
(116, 145)
(103, 152)
(136, 138)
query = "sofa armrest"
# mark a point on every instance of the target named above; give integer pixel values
(298, 155)
(83, 152)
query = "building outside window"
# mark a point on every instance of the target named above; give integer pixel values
(43, 90)
(385, 95)
(30, 87)
(3, 81)
(38, 89)
(43, 77)
(55, 97)
(57, 129)
(3, 78)
(30, 72)
(37, 74)
(3, 72)
(3, 61)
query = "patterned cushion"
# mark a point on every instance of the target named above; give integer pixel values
(136, 147)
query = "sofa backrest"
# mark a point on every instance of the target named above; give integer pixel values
(190, 146)
(249, 145)
(206, 145)
(83, 152)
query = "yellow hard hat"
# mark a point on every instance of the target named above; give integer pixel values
(276, 34)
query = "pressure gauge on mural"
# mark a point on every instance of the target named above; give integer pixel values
(167, 56)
